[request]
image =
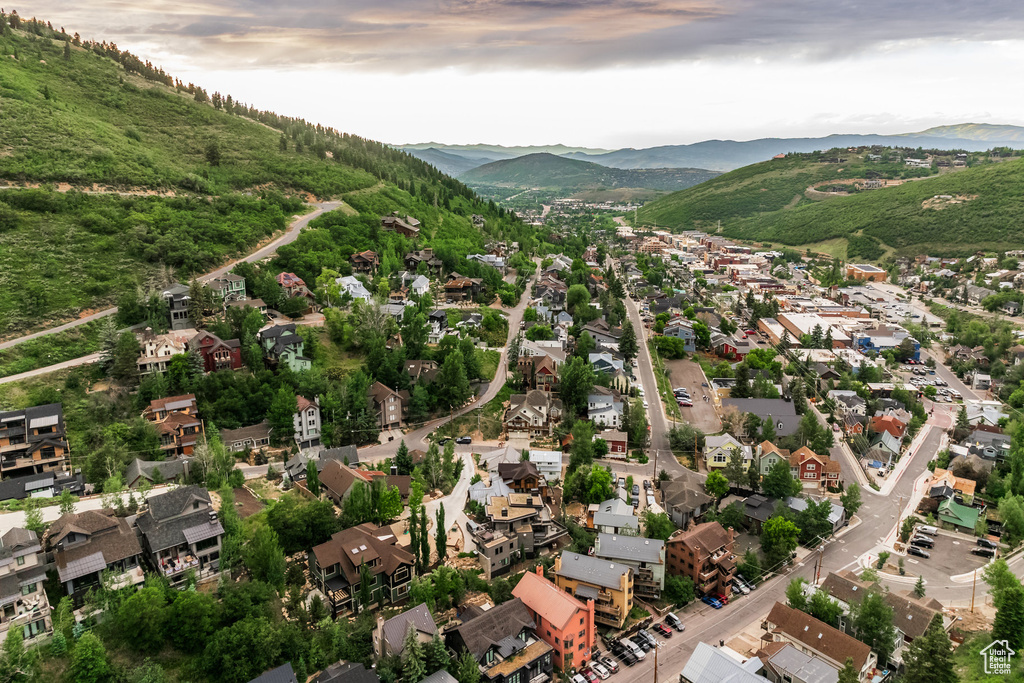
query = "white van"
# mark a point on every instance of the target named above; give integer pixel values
(633, 647)
(930, 530)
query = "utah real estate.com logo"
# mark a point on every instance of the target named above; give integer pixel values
(997, 658)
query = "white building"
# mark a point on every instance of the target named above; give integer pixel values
(307, 422)
(549, 463)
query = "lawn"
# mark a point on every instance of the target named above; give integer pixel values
(51, 349)
(489, 363)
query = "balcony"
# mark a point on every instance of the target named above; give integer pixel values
(176, 565)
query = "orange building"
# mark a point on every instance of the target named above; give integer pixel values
(563, 622)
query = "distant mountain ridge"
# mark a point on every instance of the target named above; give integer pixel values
(728, 155)
(553, 172)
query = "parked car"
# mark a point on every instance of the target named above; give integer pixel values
(589, 675)
(578, 678)
(646, 635)
(610, 664)
(599, 669)
(722, 598)
(985, 543)
(930, 530)
(686, 404)
(922, 542)
(647, 485)
(748, 584)
(463, 440)
(735, 589)
(641, 642)
(742, 586)
(675, 622)
(708, 600)
(622, 482)
(663, 630)
(914, 550)
(983, 552)
(636, 489)
(634, 648)
(443, 440)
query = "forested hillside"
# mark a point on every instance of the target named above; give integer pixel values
(182, 179)
(875, 205)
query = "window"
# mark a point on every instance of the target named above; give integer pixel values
(580, 646)
(21, 560)
(29, 589)
(810, 466)
(35, 628)
(582, 634)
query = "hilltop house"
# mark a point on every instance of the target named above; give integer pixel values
(389, 405)
(294, 286)
(306, 422)
(365, 262)
(181, 532)
(22, 573)
(87, 544)
(228, 287)
(177, 422)
(33, 441)
(283, 346)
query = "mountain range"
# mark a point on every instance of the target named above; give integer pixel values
(728, 155)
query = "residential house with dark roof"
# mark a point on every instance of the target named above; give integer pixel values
(505, 645)
(33, 441)
(253, 437)
(522, 477)
(389, 636)
(787, 625)
(603, 333)
(282, 674)
(781, 412)
(562, 621)
(421, 370)
(685, 498)
(216, 353)
(645, 555)
(608, 584)
(334, 568)
(155, 471)
(338, 479)
(945, 480)
(23, 602)
(177, 298)
(426, 256)
(228, 287)
(526, 518)
(87, 544)
(409, 227)
(177, 422)
(539, 371)
(181, 532)
(757, 509)
(45, 485)
(705, 553)
(532, 414)
(613, 516)
(350, 672)
(389, 405)
(282, 345)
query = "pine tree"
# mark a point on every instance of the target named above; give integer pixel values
(929, 659)
(1009, 621)
(281, 415)
(919, 587)
(67, 51)
(365, 586)
(414, 539)
(312, 479)
(403, 461)
(424, 538)
(627, 343)
(437, 655)
(467, 670)
(441, 536)
(414, 668)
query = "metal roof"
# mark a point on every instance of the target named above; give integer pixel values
(44, 421)
(84, 566)
(592, 570)
(202, 532)
(629, 548)
(709, 664)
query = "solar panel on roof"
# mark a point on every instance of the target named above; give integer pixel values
(178, 405)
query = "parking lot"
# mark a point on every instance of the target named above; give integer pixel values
(687, 374)
(951, 556)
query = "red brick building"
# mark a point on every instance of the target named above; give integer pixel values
(705, 554)
(216, 353)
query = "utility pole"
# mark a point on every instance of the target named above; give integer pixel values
(656, 664)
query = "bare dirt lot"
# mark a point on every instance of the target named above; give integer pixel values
(687, 374)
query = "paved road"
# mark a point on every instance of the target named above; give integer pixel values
(944, 373)
(288, 237)
(10, 520)
(74, 362)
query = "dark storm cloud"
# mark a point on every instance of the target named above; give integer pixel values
(411, 35)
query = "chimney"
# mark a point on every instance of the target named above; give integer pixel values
(540, 571)
(394, 470)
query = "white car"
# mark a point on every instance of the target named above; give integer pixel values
(645, 404)
(600, 670)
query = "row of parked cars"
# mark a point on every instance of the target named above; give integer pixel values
(682, 395)
(631, 650)
(923, 540)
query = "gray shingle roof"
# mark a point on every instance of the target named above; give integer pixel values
(282, 674)
(347, 672)
(592, 570)
(491, 627)
(635, 548)
(173, 502)
(396, 628)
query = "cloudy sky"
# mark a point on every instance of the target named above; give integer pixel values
(597, 73)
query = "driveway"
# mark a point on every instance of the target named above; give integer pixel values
(687, 374)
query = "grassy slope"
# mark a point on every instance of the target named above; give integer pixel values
(767, 202)
(554, 172)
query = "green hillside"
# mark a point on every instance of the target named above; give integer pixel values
(124, 178)
(551, 172)
(811, 198)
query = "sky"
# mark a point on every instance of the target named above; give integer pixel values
(590, 73)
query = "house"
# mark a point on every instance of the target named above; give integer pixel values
(365, 262)
(864, 271)
(685, 498)
(156, 350)
(45, 485)
(334, 568)
(389, 636)
(433, 264)
(504, 642)
(853, 424)
(709, 664)
(958, 517)
(353, 672)
(784, 663)
(389, 405)
(719, 449)
(604, 407)
(887, 443)
(495, 550)
(705, 553)
(617, 443)
(779, 411)
(603, 333)
(815, 471)
(438, 324)
(522, 477)
(787, 625)
(605, 362)
(252, 437)
(836, 516)
(460, 288)
(548, 463)
(294, 286)
(532, 414)
(257, 304)
(911, 616)
(410, 227)
(496, 262)
(216, 353)
(526, 520)
(33, 441)
(767, 454)
(539, 371)
(608, 584)
(181, 533)
(614, 516)
(338, 479)
(22, 573)
(177, 298)
(85, 545)
(888, 423)
(282, 674)
(849, 403)
(425, 370)
(152, 471)
(681, 329)
(283, 346)
(757, 510)
(306, 422)
(228, 287)
(945, 479)
(645, 555)
(731, 347)
(177, 422)
(561, 621)
(420, 286)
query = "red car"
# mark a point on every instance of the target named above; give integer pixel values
(663, 630)
(590, 675)
(724, 599)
